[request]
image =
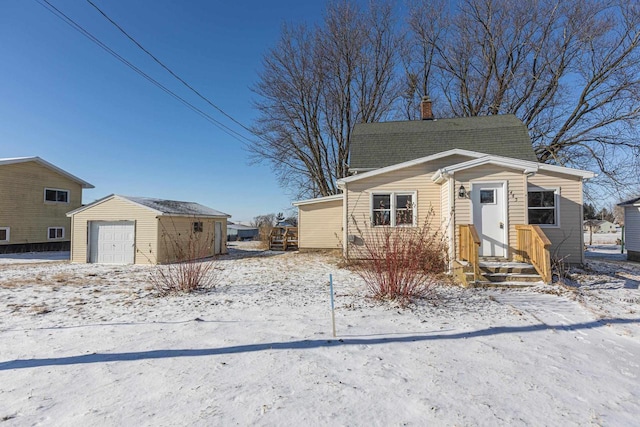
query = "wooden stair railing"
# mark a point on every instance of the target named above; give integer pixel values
(283, 238)
(290, 238)
(533, 246)
(469, 245)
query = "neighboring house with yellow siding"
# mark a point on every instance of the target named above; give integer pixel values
(477, 173)
(34, 199)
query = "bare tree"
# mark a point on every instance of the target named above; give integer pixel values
(316, 84)
(570, 70)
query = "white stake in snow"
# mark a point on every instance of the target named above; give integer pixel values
(333, 316)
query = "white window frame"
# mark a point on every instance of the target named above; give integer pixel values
(392, 197)
(197, 226)
(55, 228)
(556, 204)
(56, 189)
(8, 230)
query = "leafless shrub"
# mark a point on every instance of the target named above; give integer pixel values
(560, 269)
(186, 276)
(400, 263)
(194, 268)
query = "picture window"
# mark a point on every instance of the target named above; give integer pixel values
(393, 209)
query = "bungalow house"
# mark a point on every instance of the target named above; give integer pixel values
(34, 198)
(632, 228)
(140, 230)
(477, 178)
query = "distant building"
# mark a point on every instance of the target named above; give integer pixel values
(599, 226)
(241, 232)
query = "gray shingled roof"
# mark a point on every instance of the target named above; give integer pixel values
(174, 207)
(376, 145)
(630, 202)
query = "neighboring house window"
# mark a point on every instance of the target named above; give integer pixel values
(394, 209)
(4, 234)
(55, 233)
(543, 207)
(197, 227)
(55, 195)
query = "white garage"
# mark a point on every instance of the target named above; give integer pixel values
(112, 242)
(141, 230)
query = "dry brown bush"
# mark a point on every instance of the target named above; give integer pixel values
(194, 268)
(400, 263)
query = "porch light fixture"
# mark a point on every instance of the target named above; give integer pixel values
(462, 192)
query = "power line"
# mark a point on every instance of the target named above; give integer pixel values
(167, 68)
(59, 14)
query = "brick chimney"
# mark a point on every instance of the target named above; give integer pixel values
(425, 108)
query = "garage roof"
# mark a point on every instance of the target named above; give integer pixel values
(162, 207)
(174, 207)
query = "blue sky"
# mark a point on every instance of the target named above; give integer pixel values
(68, 101)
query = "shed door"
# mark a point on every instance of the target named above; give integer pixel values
(489, 218)
(217, 249)
(112, 242)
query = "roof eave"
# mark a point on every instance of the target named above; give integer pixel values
(333, 198)
(584, 174)
(398, 166)
(96, 202)
(53, 167)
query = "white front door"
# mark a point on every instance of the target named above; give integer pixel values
(112, 242)
(488, 204)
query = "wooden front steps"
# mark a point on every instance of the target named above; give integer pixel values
(501, 273)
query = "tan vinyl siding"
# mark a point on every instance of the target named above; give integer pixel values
(632, 228)
(567, 239)
(416, 179)
(177, 241)
(515, 194)
(320, 225)
(22, 204)
(117, 209)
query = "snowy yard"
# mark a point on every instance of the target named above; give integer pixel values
(93, 345)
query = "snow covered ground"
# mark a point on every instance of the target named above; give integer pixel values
(34, 257)
(94, 345)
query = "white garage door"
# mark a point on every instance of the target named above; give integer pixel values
(112, 242)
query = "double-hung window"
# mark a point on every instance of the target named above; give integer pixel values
(543, 206)
(55, 195)
(393, 209)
